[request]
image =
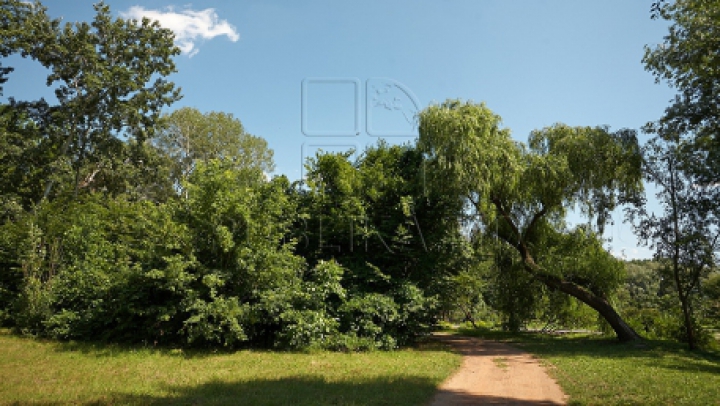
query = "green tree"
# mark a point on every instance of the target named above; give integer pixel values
(249, 274)
(687, 59)
(686, 235)
(189, 136)
(110, 83)
(522, 194)
(372, 215)
(374, 210)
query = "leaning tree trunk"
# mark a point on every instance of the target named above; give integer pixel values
(623, 331)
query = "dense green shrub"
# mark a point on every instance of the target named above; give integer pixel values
(213, 269)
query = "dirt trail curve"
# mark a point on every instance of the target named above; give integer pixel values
(494, 373)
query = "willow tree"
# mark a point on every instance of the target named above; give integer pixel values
(520, 194)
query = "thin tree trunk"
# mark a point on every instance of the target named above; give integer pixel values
(687, 314)
(684, 298)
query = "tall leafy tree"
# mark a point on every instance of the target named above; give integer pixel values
(687, 59)
(374, 210)
(189, 136)
(686, 162)
(686, 235)
(110, 82)
(521, 193)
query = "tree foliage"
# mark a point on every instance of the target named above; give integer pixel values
(521, 194)
(215, 269)
(189, 136)
(373, 216)
(685, 235)
(687, 59)
(109, 78)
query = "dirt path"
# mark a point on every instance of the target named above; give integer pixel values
(494, 373)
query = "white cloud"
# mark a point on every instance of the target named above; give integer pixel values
(189, 26)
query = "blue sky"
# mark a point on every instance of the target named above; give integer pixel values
(332, 75)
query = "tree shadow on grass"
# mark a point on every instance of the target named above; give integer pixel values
(286, 391)
(101, 349)
(304, 391)
(652, 352)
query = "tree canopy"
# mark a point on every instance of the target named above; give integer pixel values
(521, 194)
(688, 60)
(189, 136)
(109, 78)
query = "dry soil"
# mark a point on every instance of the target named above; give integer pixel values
(494, 373)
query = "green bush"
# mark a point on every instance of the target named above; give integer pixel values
(32, 307)
(305, 329)
(417, 313)
(214, 269)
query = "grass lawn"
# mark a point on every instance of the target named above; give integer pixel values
(50, 373)
(592, 370)
(601, 371)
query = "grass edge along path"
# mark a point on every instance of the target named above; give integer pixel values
(47, 373)
(596, 370)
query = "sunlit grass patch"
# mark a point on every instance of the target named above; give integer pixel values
(38, 372)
